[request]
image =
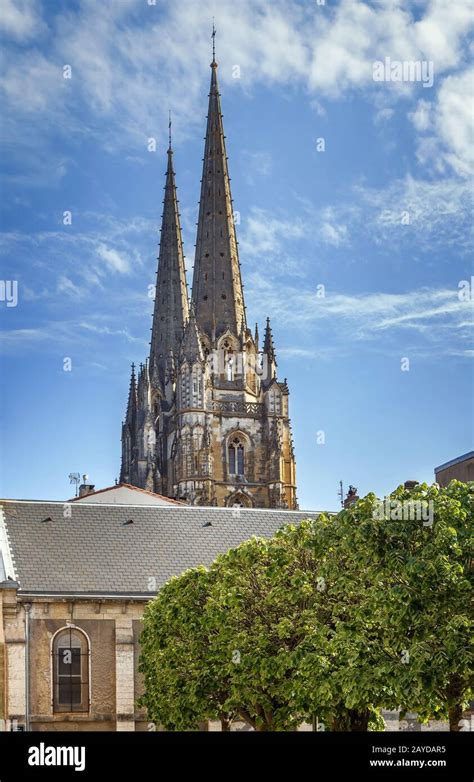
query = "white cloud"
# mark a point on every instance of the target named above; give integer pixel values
(454, 121)
(21, 19)
(65, 285)
(421, 116)
(442, 30)
(333, 234)
(106, 330)
(447, 140)
(264, 233)
(438, 212)
(383, 115)
(428, 312)
(256, 164)
(327, 50)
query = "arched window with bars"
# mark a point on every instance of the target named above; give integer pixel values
(70, 652)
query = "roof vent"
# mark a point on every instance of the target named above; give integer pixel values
(207, 524)
(126, 523)
(48, 518)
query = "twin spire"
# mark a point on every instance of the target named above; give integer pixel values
(217, 292)
(171, 296)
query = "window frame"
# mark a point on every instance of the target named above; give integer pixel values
(236, 456)
(83, 677)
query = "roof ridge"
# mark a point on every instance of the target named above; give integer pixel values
(129, 486)
(182, 505)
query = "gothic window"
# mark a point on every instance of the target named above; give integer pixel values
(236, 456)
(275, 403)
(70, 665)
(128, 448)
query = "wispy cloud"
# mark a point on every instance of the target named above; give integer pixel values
(21, 19)
(257, 164)
(265, 233)
(430, 314)
(327, 50)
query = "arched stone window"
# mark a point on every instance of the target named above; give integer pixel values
(70, 653)
(236, 456)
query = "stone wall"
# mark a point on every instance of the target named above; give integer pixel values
(113, 628)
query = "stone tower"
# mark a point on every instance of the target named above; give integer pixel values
(207, 419)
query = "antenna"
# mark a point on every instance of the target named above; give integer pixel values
(74, 477)
(341, 493)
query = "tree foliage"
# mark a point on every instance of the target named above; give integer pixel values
(336, 617)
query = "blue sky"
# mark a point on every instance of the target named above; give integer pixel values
(381, 218)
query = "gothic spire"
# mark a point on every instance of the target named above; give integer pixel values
(269, 351)
(171, 296)
(217, 285)
(130, 417)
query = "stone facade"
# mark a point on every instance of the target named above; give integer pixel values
(112, 629)
(207, 419)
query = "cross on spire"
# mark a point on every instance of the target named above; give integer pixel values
(213, 42)
(169, 129)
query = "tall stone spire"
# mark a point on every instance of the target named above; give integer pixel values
(217, 285)
(171, 297)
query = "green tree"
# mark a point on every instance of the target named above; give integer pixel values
(184, 682)
(263, 603)
(413, 554)
(336, 617)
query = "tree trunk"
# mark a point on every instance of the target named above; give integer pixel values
(454, 695)
(351, 720)
(225, 724)
(455, 714)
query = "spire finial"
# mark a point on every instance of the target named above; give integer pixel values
(213, 42)
(169, 130)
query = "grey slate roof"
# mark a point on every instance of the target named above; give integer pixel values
(93, 552)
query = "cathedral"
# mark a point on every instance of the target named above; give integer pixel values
(207, 418)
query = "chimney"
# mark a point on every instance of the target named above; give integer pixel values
(85, 487)
(352, 497)
(410, 485)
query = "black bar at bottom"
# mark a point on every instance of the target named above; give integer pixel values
(364, 756)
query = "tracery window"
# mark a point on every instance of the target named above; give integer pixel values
(236, 451)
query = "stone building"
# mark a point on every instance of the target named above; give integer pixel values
(207, 419)
(74, 580)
